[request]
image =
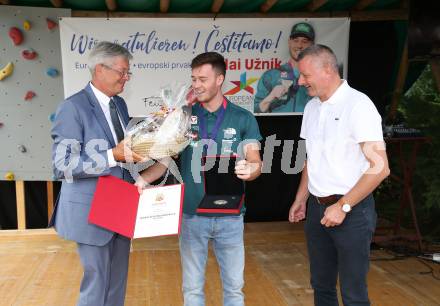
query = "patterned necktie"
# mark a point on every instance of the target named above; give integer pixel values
(115, 121)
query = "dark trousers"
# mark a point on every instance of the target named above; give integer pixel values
(341, 250)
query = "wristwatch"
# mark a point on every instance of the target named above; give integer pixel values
(346, 207)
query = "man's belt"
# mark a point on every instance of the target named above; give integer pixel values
(328, 200)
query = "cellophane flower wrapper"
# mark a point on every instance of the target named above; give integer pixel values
(168, 131)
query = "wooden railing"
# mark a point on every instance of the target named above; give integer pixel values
(21, 204)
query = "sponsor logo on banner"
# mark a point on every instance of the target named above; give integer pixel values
(243, 92)
(243, 83)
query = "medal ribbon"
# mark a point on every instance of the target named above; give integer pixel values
(218, 122)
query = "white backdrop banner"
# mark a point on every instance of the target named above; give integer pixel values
(163, 48)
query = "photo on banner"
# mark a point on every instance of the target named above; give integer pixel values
(261, 74)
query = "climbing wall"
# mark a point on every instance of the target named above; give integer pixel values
(31, 87)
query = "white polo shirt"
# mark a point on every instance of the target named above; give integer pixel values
(333, 130)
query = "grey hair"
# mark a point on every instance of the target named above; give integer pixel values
(104, 52)
(324, 53)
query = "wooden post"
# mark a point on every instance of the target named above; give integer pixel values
(57, 3)
(111, 5)
(314, 5)
(266, 6)
(21, 208)
(363, 4)
(49, 199)
(400, 83)
(216, 6)
(164, 5)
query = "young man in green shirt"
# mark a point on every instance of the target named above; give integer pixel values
(225, 129)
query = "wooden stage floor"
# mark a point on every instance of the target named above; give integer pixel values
(39, 269)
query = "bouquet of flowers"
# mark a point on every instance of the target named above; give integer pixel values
(168, 131)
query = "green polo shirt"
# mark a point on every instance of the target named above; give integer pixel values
(296, 97)
(239, 127)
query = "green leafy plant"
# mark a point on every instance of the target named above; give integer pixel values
(419, 108)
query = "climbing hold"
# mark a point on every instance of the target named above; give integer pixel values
(6, 71)
(16, 35)
(52, 72)
(22, 149)
(9, 176)
(27, 25)
(52, 117)
(29, 95)
(51, 24)
(29, 54)
(1, 124)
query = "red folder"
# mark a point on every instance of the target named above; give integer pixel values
(115, 205)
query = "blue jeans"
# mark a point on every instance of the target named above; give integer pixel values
(341, 250)
(226, 234)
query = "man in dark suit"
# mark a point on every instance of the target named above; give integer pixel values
(88, 134)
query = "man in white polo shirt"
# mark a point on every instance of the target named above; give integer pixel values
(346, 161)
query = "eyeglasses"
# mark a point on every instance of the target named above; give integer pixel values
(122, 74)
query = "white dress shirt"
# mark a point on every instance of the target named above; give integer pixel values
(333, 130)
(104, 101)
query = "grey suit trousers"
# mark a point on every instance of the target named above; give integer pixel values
(105, 272)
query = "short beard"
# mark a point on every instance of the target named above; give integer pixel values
(295, 58)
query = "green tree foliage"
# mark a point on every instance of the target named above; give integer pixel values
(420, 108)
